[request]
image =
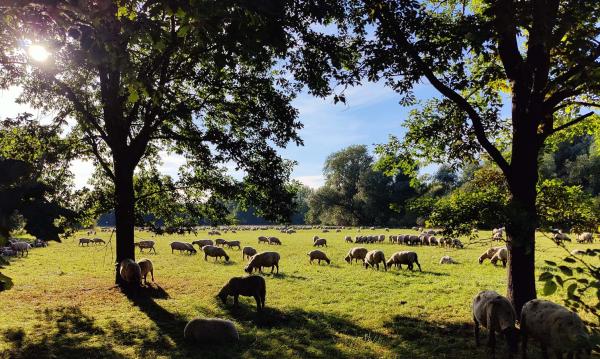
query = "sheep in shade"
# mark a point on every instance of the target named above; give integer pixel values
(248, 252)
(146, 267)
(210, 331)
(251, 286)
(494, 312)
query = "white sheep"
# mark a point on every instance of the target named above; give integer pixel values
(404, 257)
(210, 330)
(356, 253)
(214, 251)
(500, 255)
(494, 312)
(146, 267)
(489, 254)
(248, 252)
(21, 247)
(373, 258)
(447, 260)
(130, 271)
(585, 237)
(555, 327)
(318, 256)
(264, 259)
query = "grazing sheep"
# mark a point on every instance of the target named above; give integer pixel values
(456, 243)
(498, 234)
(433, 241)
(83, 241)
(39, 243)
(495, 313)
(264, 259)
(210, 330)
(381, 238)
(183, 246)
(220, 242)
(356, 253)
(97, 241)
(130, 272)
(263, 239)
(231, 244)
(447, 260)
(146, 267)
(248, 252)
(555, 327)
(560, 237)
(214, 251)
(251, 286)
(501, 255)
(21, 247)
(325, 231)
(585, 237)
(348, 239)
(320, 242)
(404, 257)
(315, 238)
(489, 254)
(318, 256)
(203, 242)
(145, 245)
(373, 258)
(274, 240)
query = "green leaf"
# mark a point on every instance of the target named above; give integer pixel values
(545, 276)
(566, 270)
(133, 94)
(550, 287)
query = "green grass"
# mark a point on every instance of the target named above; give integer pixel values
(64, 303)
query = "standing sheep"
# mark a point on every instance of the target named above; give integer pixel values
(500, 255)
(489, 254)
(146, 267)
(21, 247)
(130, 272)
(231, 244)
(203, 242)
(274, 240)
(373, 258)
(145, 245)
(264, 259)
(356, 253)
(214, 251)
(220, 242)
(318, 256)
(263, 239)
(248, 252)
(83, 241)
(182, 246)
(585, 237)
(251, 286)
(210, 331)
(555, 327)
(494, 312)
(348, 239)
(404, 257)
(320, 242)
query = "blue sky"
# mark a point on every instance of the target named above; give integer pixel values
(370, 114)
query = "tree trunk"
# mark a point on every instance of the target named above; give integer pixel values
(124, 211)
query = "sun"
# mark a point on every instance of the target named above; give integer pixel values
(38, 53)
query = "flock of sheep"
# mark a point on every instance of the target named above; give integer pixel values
(555, 327)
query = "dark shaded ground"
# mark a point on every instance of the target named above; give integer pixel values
(66, 332)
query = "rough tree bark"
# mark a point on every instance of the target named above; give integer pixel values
(124, 211)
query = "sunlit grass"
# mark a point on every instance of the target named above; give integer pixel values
(64, 303)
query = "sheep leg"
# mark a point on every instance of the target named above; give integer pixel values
(419, 266)
(236, 300)
(476, 329)
(277, 265)
(205, 256)
(492, 342)
(504, 263)
(152, 273)
(257, 299)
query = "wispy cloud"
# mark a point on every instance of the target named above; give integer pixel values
(314, 181)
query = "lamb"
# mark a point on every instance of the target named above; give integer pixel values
(555, 327)
(501, 255)
(248, 252)
(356, 253)
(251, 286)
(348, 239)
(21, 247)
(263, 239)
(373, 258)
(320, 242)
(231, 244)
(220, 242)
(447, 260)
(264, 259)
(318, 256)
(210, 330)
(214, 251)
(494, 312)
(97, 241)
(146, 267)
(203, 242)
(83, 241)
(489, 254)
(274, 240)
(182, 246)
(130, 272)
(404, 257)
(585, 237)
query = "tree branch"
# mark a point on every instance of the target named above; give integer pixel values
(570, 123)
(508, 48)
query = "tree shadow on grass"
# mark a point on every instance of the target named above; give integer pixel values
(62, 332)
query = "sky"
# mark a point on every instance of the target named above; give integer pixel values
(370, 115)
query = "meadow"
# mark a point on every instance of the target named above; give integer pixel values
(64, 303)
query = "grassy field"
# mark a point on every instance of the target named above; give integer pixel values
(64, 303)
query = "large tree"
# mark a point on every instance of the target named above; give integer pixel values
(540, 57)
(202, 78)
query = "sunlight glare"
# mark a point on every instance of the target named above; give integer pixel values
(38, 53)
